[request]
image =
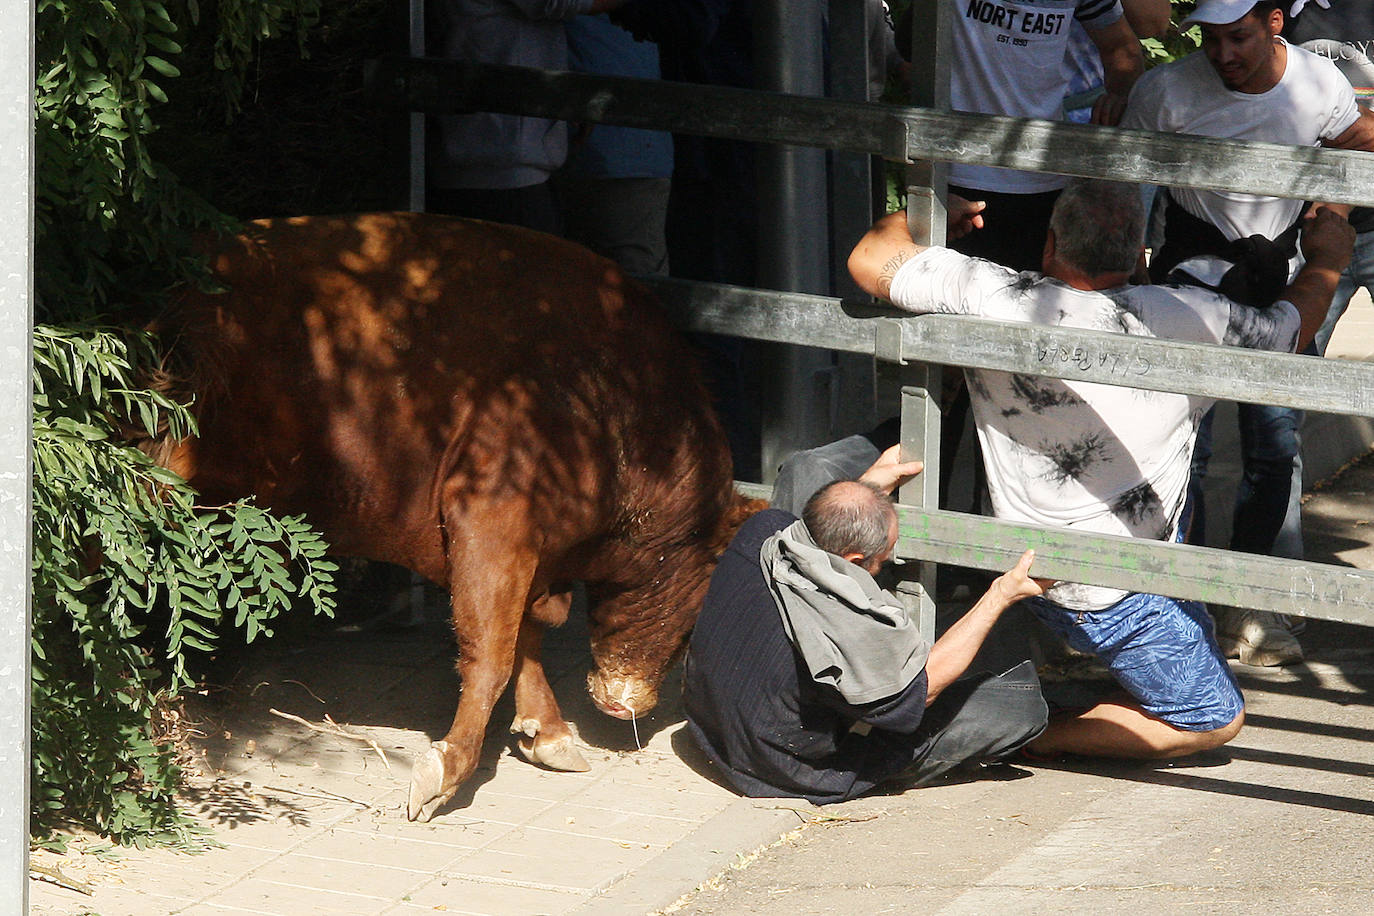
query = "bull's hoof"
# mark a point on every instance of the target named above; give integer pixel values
(554, 753)
(427, 784)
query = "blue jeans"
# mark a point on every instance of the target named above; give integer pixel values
(1359, 273)
(1268, 514)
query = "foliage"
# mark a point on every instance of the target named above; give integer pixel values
(108, 217)
(1177, 42)
(131, 579)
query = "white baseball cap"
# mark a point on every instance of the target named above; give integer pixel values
(1220, 12)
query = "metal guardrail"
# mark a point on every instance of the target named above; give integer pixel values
(1200, 573)
(441, 86)
(904, 134)
(1181, 570)
(1229, 373)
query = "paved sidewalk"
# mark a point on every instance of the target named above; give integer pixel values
(313, 822)
(1278, 822)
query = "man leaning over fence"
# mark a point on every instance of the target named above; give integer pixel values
(1248, 83)
(1102, 458)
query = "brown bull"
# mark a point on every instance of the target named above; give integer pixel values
(498, 410)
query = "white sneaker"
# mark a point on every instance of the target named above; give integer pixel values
(1259, 638)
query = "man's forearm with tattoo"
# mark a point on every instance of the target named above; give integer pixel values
(889, 270)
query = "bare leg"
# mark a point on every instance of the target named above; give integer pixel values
(1120, 728)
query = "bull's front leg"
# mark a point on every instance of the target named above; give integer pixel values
(542, 735)
(489, 592)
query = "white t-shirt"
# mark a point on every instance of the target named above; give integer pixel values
(1083, 455)
(1311, 101)
(1009, 60)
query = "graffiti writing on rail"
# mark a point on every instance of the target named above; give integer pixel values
(1051, 352)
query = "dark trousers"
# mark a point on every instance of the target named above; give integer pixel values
(978, 718)
(1016, 225)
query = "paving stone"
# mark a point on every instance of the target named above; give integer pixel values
(580, 864)
(500, 807)
(476, 898)
(667, 801)
(306, 868)
(383, 848)
(614, 824)
(290, 899)
(453, 830)
(106, 901)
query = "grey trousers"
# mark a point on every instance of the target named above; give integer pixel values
(977, 719)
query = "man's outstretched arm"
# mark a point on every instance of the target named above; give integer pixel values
(1327, 241)
(954, 651)
(888, 244)
(1122, 63)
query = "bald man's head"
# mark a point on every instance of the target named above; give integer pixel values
(853, 520)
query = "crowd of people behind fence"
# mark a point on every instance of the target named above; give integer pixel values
(840, 696)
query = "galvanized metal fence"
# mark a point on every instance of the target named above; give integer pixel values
(917, 344)
(16, 338)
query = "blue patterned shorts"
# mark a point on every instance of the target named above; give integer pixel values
(1161, 650)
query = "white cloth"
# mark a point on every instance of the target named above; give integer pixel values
(1079, 455)
(1009, 59)
(1311, 101)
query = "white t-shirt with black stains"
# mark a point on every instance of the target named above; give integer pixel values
(1082, 455)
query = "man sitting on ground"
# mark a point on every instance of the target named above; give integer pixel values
(804, 678)
(1102, 458)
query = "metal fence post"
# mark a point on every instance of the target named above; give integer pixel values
(926, 188)
(793, 244)
(16, 335)
(853, 199)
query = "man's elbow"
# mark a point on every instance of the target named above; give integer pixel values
(863, 269)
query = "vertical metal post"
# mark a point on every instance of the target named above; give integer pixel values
(415, 203)
(851, 206)
(793, 245)
(16, 336)
(926, 189)
(416, 187)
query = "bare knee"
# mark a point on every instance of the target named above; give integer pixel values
(1190, 742)
(1224, 734)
